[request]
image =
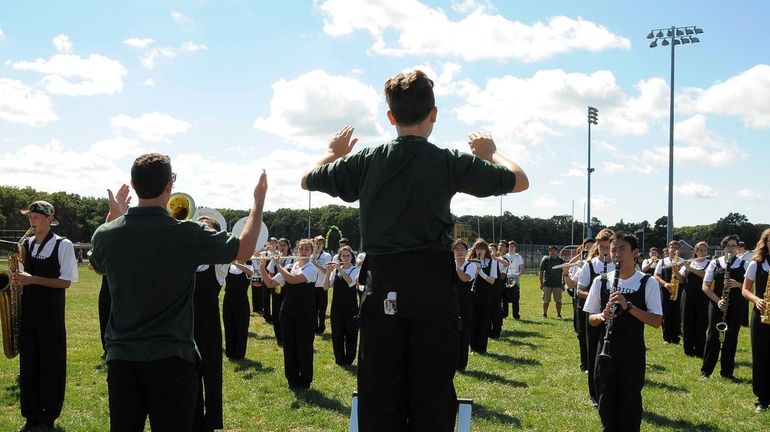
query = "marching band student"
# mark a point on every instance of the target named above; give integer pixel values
(267, 294)
(207, 329)
(341, 276)
(483, 285)
(319, 260)
(620, 378)
(49, 268)
(665, 271)
(649, 264)
(284, 250)
(715, 272)
(340, 244)
(758, 270)
(695, 304)
(499, 286)
(512, 291)
(598, 267)
(297, 315)
(235, 309)
(466, 271)
(579, 318)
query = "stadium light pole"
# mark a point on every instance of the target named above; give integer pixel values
(593, 119)
(674, 36)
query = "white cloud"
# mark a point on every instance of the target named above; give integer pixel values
(695, 190)
(63, 44)
(152, 126)
(644, 169)
(2, 35)
(750, 195)
(193, 47)
(613, 168)
(311, 107)
(574, 172)
(545, 202)
(149, 58)
(602, 202)
(444, 80)
(20, 103)
(746, 95)
(180, 18)
(72, 75)
(149, 82)
(465, 6)
(422, 30)
(139, 42)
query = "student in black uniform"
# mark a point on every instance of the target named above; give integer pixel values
(499, 287)
(409, 328)
(342, 276)
(49, 268)
(267, 294)
(665, 272)
(758, 270)
(620, 378)
(320, 258)
(512, 293)
(284, 250)
(297, 316)
(466, 272)
(235, 309)
(483, 284)
(579, 318)
(207, 328)
(695, 304)
(728, 342)
(649, 264)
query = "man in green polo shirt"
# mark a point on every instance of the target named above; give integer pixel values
(149, 259)
(408, 316)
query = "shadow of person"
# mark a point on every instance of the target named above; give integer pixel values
(318, 399)
(661, 422)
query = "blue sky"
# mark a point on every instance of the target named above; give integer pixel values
(230, 87)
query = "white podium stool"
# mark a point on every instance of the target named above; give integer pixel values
(464, 410)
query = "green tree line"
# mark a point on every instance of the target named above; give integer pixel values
(80, 216)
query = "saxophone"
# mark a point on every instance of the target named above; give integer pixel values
(765, 317)
(674, 278)
(10, 300)
(722, 325)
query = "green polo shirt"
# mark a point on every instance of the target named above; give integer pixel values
(150, 260)
(405, 188)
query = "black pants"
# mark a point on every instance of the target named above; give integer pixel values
(497, 309)
(407, 361)
(321, 303)
(277, 304)
(593, 335)
(256, 298)
(298, 328)
(267, 312)
(42, 355)
(208, 338)
(760, 356)
(511, 296)
(672, 324)
(235, 319)
(466, 318)
(694, 322)
(728, 347)
(619, 384)
(582, 322)
(164, 389)
(344, 334)
(481, 318)
(105, 303)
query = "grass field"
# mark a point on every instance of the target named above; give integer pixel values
(529, 381)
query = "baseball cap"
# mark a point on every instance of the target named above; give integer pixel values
(41, 207)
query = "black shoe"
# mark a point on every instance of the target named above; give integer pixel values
(730, 377)
(759, 407)
(558, 317)
(517, 317)
(594, 404)
(704, 375)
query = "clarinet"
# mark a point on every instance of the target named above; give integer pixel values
(605, 352)
(722, 325)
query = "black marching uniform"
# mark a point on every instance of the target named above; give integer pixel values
(695, 314)
(672, 309)
(760, 340)
(728, 347)
(105, 301)
(343, 317)
(466, 301)
(592, 333)
(298, 324)
(43, 338)
(208, 339)
(482, 306)
(277, 297)
(321, 295)
(620, 379)
(235, 314)
(497, 303)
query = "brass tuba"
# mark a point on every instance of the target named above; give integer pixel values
(10, 301)
(181, 206)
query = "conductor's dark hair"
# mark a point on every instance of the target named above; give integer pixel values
(150, 174)
(410, 97)
(626, 237)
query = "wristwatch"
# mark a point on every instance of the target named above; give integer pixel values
(629, 306)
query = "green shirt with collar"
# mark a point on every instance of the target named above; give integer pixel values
(405, 188)
(150, 260)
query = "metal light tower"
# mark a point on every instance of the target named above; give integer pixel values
(674, 36)
(593, 119)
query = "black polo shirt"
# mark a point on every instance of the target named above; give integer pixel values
(150, 260)
(405, 188)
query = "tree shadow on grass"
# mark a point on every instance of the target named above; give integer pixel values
(679, 424)
(520, 361)
(490, 377)
(521, 334)
(318, 399)
(249, 368)
(665, 386)
(482, 412)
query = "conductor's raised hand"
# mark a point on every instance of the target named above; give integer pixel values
(118, 202)
(341, 143)
(482, 145)
(261, 189)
